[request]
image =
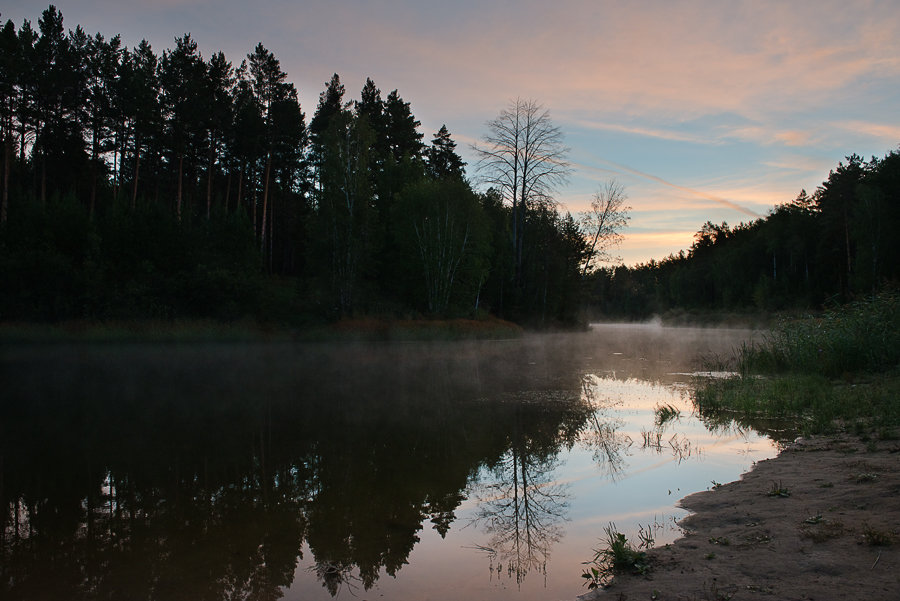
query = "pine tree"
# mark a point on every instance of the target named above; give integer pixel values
(59, 97)
(103, 60)
(219, 83)
(331, 103)
(10, 64)
(272, 91)
(443, 162)
(181, 75)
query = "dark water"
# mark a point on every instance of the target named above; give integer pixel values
(396, 471)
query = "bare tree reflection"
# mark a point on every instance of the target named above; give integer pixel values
(129, 485)
(608, 445)
(522, 510)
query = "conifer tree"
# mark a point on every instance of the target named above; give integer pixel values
(181, 75)
(443, 162)
(10, 65)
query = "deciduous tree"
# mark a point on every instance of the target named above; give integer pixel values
(523, 156)
(603, 224)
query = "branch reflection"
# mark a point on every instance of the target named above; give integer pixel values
(119, 483)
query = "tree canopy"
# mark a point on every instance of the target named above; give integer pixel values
(147, 184)
(830, 246)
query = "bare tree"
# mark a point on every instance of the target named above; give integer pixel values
(525, 159)
(604, 222)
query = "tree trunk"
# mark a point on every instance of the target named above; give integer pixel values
(43, 179)
(116, 165)
(240, 187)
(272, 236)
(253, 199)
(22, 144)
(178, 197)
(137, 174)
(262, 229)
(94, 158)
(227, 190)
(4, 205)
(209, 172)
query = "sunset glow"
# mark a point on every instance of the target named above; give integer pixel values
(704, 111)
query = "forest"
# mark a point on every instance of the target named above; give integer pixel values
(145, 185)
(817, 251)
(139, 185)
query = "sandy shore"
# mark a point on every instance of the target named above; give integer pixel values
(820, 521)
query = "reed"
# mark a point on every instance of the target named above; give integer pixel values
(838, 371)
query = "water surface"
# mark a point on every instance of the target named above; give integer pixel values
(317, 471)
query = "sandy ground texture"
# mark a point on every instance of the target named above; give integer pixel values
(821, 521)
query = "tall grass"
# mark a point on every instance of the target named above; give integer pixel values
(860, 337)
(837, 371)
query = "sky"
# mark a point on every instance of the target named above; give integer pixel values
(703, 110)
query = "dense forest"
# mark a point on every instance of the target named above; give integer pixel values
(146, 185)
(818, 250)
(821, 249)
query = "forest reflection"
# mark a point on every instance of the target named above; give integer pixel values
(200, 472)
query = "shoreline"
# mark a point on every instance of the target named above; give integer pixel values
(821, 520)
(366, 329)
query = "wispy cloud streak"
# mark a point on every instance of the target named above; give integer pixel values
(649, 132)
(692, 191)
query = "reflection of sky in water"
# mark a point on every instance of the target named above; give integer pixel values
(238, 456)
(625, 468)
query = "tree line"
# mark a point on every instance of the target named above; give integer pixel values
(820, 249)
(142, 184)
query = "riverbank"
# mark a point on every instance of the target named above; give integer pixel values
(189, 331)
(820, 521)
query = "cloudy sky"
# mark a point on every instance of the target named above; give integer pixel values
(703, 110)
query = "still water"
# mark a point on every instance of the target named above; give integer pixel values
(475, 470)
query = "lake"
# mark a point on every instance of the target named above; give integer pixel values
(476, 470)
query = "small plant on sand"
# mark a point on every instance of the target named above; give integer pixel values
(713, 593)
(814, 519)
(818, 529)
(619, 556)
(877, 538)
(779, 490)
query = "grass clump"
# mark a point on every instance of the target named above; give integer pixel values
(877, 538)
(663, 414)
(863, 336)
(619, 556)
(779, 490)
(840, 371)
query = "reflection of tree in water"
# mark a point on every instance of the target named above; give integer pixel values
(608, 445)
(521, 511)
(132, 514)
(131, 484)
(522, 508)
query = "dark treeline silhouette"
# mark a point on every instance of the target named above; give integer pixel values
(137, 184)
(820, 249)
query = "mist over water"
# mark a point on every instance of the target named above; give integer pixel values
(485, 469)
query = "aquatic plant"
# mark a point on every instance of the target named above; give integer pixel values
(838, 371)
(861, 336)
(665, 414)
